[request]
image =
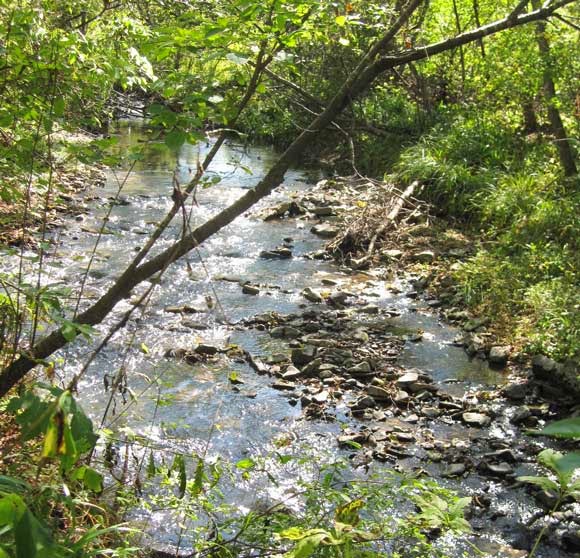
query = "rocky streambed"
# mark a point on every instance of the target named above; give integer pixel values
(259, 336)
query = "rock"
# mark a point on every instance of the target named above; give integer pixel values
(521, 414)
(472, 325)
(303, 355)
(378, 393)
(515, 392)
(185, 309)
(499, 355)
(426, 256)
(277, 358)
(361, 368)
(199, 326)
(454, 470)
(323, 211)
(476, 419)
(498, 469)
(285, 332)
(284, 385)
(571, 540)
(311, 295)
(324, 230)
(203, 349)
(312, 367)
(291, 373)
(369, 309)
(401, 397)
(350, 440)
(321, 397)
(250, 289)
(543, 367)
(365, 402)
(281, 253)
(338, 298)
(392, 254)
(408, 378)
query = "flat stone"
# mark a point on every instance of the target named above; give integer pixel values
(472, 325)
(311, 295)
(185, 309)
(321, 397)
(426, 256)
(476, 419)
(365, 402)
(291, 373)
(323, 211)
(203, 349)
(392, 254)
(499, 469)
(250, 290)
(401, 397)
(378, 393)
(286, 332)
(369, 309)
(408, 378)
(454, 470)
(276, 254)
(361, 368)
(199, 326)
(277, 358)
(284, 385)
(312, 367)
(324, 230)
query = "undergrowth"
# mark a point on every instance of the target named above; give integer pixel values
(507, 188)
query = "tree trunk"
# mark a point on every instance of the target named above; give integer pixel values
(565, 150)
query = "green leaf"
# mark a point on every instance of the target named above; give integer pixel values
(246, 464)
(179, 466)
(543, 482)
(151, 469)
(90, 478)
(12, 507)
(175, 139)
(340, 20)
(567, 428)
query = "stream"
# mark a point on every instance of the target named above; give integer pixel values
(195, 409)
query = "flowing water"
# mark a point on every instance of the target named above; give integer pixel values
(193, 409)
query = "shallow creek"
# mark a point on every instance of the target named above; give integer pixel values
(200, 412)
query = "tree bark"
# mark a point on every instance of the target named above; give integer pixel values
(563, 144)
(360, 79)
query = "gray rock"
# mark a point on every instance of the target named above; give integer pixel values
(250, 289)
(325, 230)
(454, 470)
(361, 368)
(544, 367)
(426, 256)
(311, 295)
(499, 355)
(401, 397)
(476, 419)
(408, 378)
(515, 392)
(284, 385)
(277, 358)
(312, 367)
(365, 402)
(323, 211)
(321, 397)
(392, 254)
(498, 469)
(285, 332)
(291, 373)
(521, 414)
(303, 355)
(281, 253)
(369, 309)
(378, 393)
(472, 325)
(203, 349)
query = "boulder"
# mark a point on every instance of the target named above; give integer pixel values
(324, 230)
(498, 355)
(476, 419)
(311, 295)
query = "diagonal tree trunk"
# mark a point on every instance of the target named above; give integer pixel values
(369, 68)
